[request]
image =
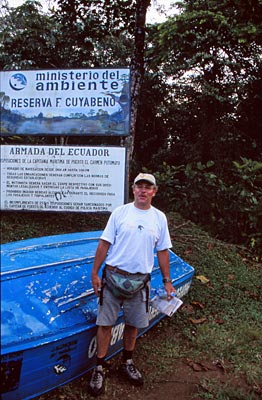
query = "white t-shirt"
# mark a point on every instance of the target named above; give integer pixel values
(134, 234)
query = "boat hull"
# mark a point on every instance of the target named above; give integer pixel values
(49, 312)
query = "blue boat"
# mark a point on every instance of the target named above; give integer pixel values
(48, 311)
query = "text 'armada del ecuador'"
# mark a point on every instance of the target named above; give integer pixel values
(58, 151)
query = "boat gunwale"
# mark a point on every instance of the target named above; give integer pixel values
(46, 246)
(56, 263)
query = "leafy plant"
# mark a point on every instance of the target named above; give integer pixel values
(228, 205)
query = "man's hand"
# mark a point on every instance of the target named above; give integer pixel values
(169, 290)
(100, 256)
(96, 282)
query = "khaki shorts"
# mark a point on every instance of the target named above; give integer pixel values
(134, 309)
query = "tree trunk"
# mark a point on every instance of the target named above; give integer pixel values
(137, 68)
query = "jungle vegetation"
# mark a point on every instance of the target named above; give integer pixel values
(196, 113)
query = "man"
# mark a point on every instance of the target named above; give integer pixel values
(127, 245)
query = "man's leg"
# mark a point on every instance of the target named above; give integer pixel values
(103, 339)
(127, 368)
(130, 334)
(97, 382)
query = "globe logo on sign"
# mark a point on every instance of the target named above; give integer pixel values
(18, 81)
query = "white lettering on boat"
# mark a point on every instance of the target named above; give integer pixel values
(59, 369)
(117, 333)
(183, 290)
(92, 347)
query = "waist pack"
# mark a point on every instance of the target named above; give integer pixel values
(124, 286)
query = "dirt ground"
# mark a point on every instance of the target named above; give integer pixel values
(180, 379)
(183, 382)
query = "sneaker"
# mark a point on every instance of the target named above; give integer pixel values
(97, 381)
(129, 371)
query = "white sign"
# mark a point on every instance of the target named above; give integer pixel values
(65, 102)
(48, 178)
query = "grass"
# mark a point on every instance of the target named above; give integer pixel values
(231, 304)
(211, 390)
(220, 321)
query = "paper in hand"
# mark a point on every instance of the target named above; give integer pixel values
(165, 306)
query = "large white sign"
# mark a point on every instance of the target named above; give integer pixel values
(62, 178)
(65, 102)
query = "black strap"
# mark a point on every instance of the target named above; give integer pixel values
(147, 298)
(102, 287)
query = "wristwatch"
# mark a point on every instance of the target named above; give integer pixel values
(166, 280)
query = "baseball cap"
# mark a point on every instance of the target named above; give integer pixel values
(145, 177)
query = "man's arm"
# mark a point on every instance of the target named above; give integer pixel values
(163, 261)
(101, 253)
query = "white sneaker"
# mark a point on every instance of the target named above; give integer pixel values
(97, 381)
(129, 371)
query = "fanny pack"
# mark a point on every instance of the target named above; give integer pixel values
(124, 285)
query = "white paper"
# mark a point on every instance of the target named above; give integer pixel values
(166, 307)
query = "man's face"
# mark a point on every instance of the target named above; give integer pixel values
(143, 193)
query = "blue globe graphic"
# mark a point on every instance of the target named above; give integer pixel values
(18, 81)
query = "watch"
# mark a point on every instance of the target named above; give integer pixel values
(167, 280)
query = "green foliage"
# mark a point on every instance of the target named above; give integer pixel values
(212, 52)
(101, 29)
(227, 205)
(27, 37)
(201, 99)
(245, 190)
(76, 34)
